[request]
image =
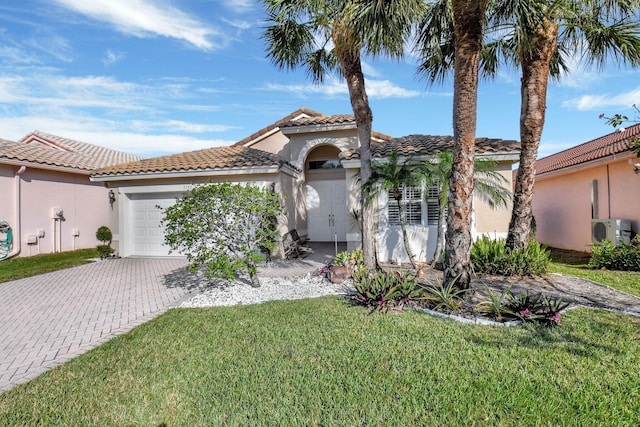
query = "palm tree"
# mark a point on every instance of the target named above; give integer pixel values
(540, 36)
(393, 176)
(537, 35)
(468, 20)
(302, 33)
(489, 186)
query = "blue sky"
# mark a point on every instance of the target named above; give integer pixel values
(163, 76)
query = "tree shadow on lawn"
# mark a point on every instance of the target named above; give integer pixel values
(572, 339)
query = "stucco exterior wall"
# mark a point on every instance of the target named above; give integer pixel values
(85, 205)
(493, 222)
(563, 208)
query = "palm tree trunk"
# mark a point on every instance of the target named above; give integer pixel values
(535, 76)
(442, 218)
(349, 57)
(468, 19)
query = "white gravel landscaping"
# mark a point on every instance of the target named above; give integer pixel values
(226, 292)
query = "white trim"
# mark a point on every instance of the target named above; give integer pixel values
(261, 137)
(313, 143)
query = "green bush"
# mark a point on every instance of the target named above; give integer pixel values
(624, 257)
(104, 235)
(493, 257)
(441, 297)
(534, 308)
(382, 290)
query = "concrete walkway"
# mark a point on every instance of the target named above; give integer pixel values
(48, 319)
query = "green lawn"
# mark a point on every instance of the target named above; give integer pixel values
(571, 263)
(18, 268)
(325, 362)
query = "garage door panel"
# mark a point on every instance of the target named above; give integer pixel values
(145, 219)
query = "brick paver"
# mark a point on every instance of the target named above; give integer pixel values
(48, 319)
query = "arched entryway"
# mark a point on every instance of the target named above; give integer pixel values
(326, 195)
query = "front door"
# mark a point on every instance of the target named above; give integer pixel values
(327, 210)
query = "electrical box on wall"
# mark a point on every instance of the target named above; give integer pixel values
(75, 232)
(57, 213)
(32, 239)
(40, 233)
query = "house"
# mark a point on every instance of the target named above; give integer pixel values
(585, 185)
(312, 160)
(49, 203)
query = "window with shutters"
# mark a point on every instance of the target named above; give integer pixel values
(412, 202)
(433, 205)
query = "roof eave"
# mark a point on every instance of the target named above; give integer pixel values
(129, 176)
(43, 166)
(573, 168)
(324, 127)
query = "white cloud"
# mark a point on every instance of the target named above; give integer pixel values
(143, 18)
(111, 57)
(238, 6)
(594, 102)
(107, 133)
(178, 126)
(369, 70)
(375, 89)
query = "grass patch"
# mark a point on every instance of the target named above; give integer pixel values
(19, 268)
(573, 263)
(326, 362)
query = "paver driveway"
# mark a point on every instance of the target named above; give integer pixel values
(48, 319)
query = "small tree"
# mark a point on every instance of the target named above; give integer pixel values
(104, 235)
(222, 227)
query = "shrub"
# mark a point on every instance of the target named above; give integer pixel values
(382, 290)
(104, 235)
(222, 227)
(624, 257)
(534, 308)
(493, 257)
(496, 305)
(350, 259)
(443, 297)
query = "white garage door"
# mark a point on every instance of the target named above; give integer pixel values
(145, 216)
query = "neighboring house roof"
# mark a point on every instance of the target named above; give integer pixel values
(596, 149)
(209, 159)
(42, 149)
(427, 145)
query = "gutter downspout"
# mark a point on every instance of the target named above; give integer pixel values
(17, 235)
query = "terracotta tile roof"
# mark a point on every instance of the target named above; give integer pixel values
(320, 120)
(302, 111)
(430, 144)
(306, 117)
(40, 148)
(332, 120)
(608, 145)
(201, 160)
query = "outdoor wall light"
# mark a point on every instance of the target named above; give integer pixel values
(112, 198)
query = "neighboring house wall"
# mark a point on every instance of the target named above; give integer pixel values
(85, 205)
(562, 203)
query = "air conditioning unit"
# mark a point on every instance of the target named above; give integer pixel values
(617, 231)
